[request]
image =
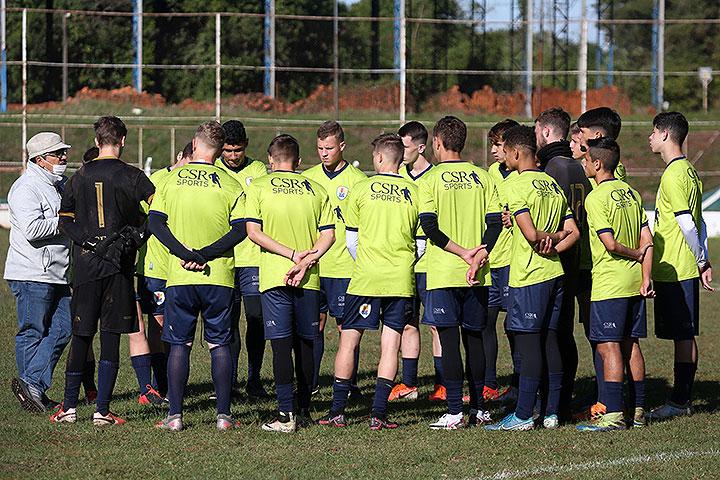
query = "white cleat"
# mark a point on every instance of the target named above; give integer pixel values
(448, 422)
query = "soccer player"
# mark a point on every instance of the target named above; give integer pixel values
(200, 280)
(499, 268)
(621, 244)
(414, 136)
(338, 177)
(101, 212)
(290, 218)
(149, 355)
(460, 214)
(601, 122)
(536, 277)
(556, 159)
(247, 263)
(382, 220)
(681, 260)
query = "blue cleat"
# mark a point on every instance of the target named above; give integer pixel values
(512, 422)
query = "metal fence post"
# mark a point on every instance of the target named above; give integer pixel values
(661, 55)
(528, 59)
(336, 61)
(172, 146)
(269, 47)
(140, 148)
(64, 58)
(402, 54)
(217, 67)
(3, 57)
(137, 37)
(24, 87)
(582, 58)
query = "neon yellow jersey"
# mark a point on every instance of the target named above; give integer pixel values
(460, 195)
(593, 182)
(502, 251)
(384, 211)
(421, 265)
(247, 254)
(337, 263)
(153, 257)
(620, 172)
(292, 210)
(613, 206)
(200, 201)
(536, 193)
(680, 192)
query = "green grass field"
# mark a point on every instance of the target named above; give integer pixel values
(30, 446)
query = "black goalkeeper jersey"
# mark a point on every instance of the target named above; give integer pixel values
(102, 198)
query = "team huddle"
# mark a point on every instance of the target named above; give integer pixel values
(448, 244)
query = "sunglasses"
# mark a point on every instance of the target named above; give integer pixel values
(58, 153)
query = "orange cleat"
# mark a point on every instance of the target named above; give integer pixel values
(401, 390)
(490, 394)
(439, 394)
(592, 414)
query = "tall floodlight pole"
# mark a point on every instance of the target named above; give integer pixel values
(583, 57)
(137, 43)
(528, 59)
(3, 58)
(269, 47)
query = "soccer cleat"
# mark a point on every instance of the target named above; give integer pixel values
(439, 394)
(512, 422)
(551, 422)
(174, 423)
(605, 423)
(639, 418)
(403, 391)
(101, 420)
(592, 414)
(90, 397)
(64, 416)
(151, 397)
(448, 422)
(30, 400)
(377, 423)
(478, 417)
(303, 419)
(667, 411)
(226, 422)
(333, 420)
(315, 390)
(490, 394)
(284, 423)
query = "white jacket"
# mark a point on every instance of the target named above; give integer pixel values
(38, 251)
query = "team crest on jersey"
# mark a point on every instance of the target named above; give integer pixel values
(159, 298)
(365, 310)
(248, 180)
(342, 192)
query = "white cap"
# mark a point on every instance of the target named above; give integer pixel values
(44, 142)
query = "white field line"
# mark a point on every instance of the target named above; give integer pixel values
(598, 464)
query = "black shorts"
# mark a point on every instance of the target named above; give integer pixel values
(109, 301)
(677, 309)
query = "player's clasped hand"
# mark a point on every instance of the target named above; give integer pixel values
(706, 277)
(646, 289)
(478, 262)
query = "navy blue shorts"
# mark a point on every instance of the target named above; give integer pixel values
(677, 309)
(151, 295)
(365, 313)
(535, 307)
(457, 307)
(183, 304)
(614, 319)
(332, 296)
(247, 280)
(420, 299)
(290, 310)
(499, 290)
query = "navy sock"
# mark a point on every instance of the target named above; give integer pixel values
(599, 375)
(383, 386)
(437, 362)
(178, 371)
(285, 397)
(318, 350)
(142, 366)
(517, 363)
(88, 379)
(158, 361)
(341, 389)
(354, 379)
(526, 397)
(221, 368)
(73, 380)
(410, 371)
(639, 391)
(107, 374)
(553, 395)
(454, 396)
(613, 397)
(684, 379)
(235, 347)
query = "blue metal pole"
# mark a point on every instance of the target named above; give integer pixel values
(396, 36)
(267, 79)
(137, 44)
(3, 60)
(654, 65)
